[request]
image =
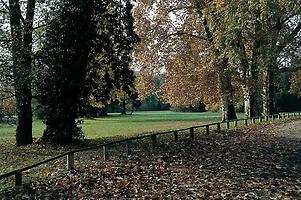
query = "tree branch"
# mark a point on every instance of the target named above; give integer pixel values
(5, 5)
(280, 23)
(289, 38)
(17, 7)
(40, 26)
(5, 40)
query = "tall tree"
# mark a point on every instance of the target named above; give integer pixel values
(173, 46)
(85, 57)
(258, 33)
(110, 77)
(212, 18)
(65, 56)
(21, 34)
(186, 45)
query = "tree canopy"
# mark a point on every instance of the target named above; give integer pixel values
(215, 49)
(86, 58)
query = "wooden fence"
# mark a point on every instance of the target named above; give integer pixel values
(128, 141)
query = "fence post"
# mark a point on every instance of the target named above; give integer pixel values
(18, 178)
(129, 147)
(288, 115)
(207, 129)
(235, 123)
(267, 118)
(105, 152)
(70, 161)
(299, 114)
(218, 127)
(246, 122)
(254, 120)
(228, 124)
(273, 117)
(154, 140)
(279, 116)
(191, 133)
(260, 119)
(176, 135)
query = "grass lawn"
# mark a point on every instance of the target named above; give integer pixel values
(101, 129)
(128, 125)
(144, 122)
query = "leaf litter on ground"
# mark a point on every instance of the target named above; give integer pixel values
(259, 162)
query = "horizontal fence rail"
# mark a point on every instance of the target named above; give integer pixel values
(128, 141)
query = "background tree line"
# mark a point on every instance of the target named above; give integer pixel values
(220, 51)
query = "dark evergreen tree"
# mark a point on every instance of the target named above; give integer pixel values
(86, 53)
(65, 56)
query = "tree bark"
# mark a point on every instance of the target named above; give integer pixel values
(226, 94)
(224, 79)
(251, 103)
(250, 91)
(268, 93)
(250, 75)
(21, 53)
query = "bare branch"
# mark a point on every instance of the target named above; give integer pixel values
(5, 5)
(279, 24)
(290, 37)
(40, 26)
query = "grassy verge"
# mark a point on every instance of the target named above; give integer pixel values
(114, 125)
(127, 125)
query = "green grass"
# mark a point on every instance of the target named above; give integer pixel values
(8, 131)
(110, 126)
(98, 129)
(128, 125)
(144, 122)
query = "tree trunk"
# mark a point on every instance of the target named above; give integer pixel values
(21, 53)
(123, 107)
(133, 107)
(103, 111)
(251, 96)
(250, 87)
(60, 127)
(226, 94)
(251, 103)
(159, 106)
(268, 93)
(1, 116)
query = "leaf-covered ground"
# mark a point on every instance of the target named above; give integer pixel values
(261, 162)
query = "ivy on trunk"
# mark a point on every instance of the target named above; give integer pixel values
(21, 34)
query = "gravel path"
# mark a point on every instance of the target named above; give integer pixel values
(291, 129)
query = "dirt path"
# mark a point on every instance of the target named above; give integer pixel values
(290, 129)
